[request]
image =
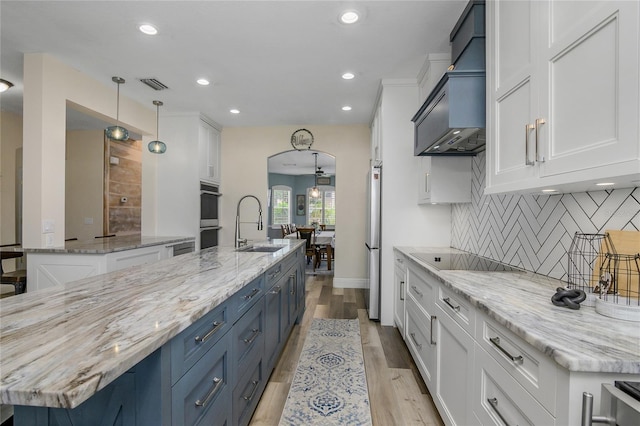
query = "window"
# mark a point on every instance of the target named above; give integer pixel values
(323, 208)
(280, 205)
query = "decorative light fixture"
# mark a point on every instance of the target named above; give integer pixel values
(5, 85)
(315, 192)
(157, 146)
(117, 132)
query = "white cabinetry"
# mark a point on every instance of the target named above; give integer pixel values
(209, 152)
(562, 88)
(376, 137)
(399, 291)
(444, 180)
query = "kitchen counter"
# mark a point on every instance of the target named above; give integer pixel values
(60, 345)
(110, 244)
(578, 340)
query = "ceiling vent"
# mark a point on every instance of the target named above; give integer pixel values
(154, 83)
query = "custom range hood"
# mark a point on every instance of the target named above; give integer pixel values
(452, 119)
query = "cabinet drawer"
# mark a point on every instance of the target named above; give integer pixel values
(247, 393)
(275, 273)
(499, 399)
(245, 298)
(190, 345)
(528, 366)
(248, 338)
(419, 329)
(457, 308)
(421, 287)
(202, 395)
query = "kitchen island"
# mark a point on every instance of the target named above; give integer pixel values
(133, 337)
(52, 266)
(491, 344)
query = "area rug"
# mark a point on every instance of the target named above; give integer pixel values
(329, 386)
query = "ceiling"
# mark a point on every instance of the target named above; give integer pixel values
(301, 163)
(278, 62)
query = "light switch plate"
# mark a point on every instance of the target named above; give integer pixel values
(48, 226)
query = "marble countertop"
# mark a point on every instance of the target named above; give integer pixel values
(578, 340)
(60, 345)
(109, 245)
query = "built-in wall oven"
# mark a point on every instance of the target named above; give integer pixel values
(209, 221)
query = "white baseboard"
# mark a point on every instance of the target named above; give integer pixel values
(350, 282)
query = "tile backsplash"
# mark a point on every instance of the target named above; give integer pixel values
(534, 232)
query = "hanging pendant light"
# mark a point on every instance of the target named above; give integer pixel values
(315, 192)
(117, 132)
(157, 146)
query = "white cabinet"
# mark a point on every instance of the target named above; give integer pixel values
(563, 91)
(376, 137)
(444, 180)
(399, 291)
(454, 375)
(209, 152)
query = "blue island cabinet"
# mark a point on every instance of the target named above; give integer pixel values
(213, 373)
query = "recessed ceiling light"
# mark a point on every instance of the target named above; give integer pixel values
(346, 108)
(148, 29)
(202, 82)
(348, 75)
(349, 17)
(605, 184)
(549, 190)
(234, 111)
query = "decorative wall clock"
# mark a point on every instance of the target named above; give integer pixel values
(302, 139)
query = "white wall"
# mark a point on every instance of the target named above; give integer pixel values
(244, 171)
(48, 86)
(10, 141)
(404, 222)
(84, 183)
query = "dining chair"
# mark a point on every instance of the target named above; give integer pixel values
(284, 231)
(17, 278)
(310, 249)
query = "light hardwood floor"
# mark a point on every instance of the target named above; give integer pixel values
(397, 394)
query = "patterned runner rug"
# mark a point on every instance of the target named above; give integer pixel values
(329, 386)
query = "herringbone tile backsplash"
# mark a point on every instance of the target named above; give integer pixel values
(534, 232)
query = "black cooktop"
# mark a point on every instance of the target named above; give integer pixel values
(463, 261)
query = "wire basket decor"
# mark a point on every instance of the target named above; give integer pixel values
(586, 256)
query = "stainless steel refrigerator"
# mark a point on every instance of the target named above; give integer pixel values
(372, 243)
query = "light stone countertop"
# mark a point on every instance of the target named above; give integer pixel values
(578, 340)
(60, 345)
(109, 244)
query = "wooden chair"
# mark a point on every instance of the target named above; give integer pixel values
(18, 278)
(284, 231)
(310, 248)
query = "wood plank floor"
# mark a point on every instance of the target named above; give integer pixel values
(397, 393)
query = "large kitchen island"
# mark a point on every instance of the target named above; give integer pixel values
(190, 340)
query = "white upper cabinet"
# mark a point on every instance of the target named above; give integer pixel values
(376, 138)
(209, 152)
(562, 95)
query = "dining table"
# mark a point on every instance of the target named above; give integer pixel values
(321, 239)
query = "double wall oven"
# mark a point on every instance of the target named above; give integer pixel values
(209, 221)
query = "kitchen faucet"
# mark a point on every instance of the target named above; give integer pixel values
(239, 241)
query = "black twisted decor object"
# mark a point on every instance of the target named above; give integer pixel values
(570, 298)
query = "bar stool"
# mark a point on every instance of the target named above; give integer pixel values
(18, 279)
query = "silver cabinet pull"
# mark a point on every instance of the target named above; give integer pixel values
(217, 384)
(250, 339)
(539, 122)
(277, 290)
(295, 283)
(401, 290)
(496, 342)
(527, 128)
(433, 318)
(448, 302)
(413, 337)
(216, 327)
(273, 274)
(250, 295)
(253, 391)
(588, 418)
(415, 289)
(494, 404)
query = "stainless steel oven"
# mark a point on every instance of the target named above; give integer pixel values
(619, 405)
(209, 221)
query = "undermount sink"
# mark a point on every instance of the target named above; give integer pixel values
(260, 249)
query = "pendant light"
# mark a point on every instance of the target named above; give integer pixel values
(5, 85)
(157, 146)
(315, 193)
(117, 132)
